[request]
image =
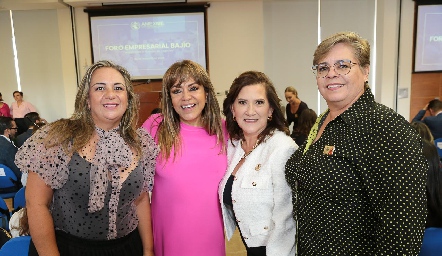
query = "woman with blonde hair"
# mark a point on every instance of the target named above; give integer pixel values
(294, 108)
(89, 175)
(191, 136)
(423, 130)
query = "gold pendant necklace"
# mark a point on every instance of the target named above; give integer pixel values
(248, 153)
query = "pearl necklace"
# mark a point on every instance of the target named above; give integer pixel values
(248, 153)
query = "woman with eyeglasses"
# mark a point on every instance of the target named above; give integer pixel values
(359, 180)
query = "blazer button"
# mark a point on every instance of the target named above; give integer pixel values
(238, 221)
(258, 167)
(266, 227)
(233, 201)
(254, 184)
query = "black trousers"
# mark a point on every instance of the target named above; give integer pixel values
(251, 251)
(69, 245)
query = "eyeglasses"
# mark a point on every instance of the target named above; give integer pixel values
(341, 67)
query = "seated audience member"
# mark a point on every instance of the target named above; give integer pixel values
(155, 111)
(306, 121)
(434, 185)
(19, 109)
(33, 121)
(8, 129)
(423, 130)
(5, 236)
(434, 121)
(4, 108)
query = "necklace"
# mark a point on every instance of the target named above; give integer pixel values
(248, 153)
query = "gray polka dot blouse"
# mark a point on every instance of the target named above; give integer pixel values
(86, 202)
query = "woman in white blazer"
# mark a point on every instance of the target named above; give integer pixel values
(254, 194)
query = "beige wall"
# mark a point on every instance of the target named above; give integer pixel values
(236, 41)
(7, 71)
(405, 65)
(245, 35)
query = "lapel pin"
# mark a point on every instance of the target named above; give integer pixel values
(328, 150)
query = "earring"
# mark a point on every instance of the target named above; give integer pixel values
(234, 119)
(269, 118)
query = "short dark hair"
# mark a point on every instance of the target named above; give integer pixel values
(155, 111)
(21, 93)
(435, 105)
(5, 123)
(31, 118)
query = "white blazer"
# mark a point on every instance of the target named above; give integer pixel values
(262, 199)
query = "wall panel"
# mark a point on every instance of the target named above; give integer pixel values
(7, 70)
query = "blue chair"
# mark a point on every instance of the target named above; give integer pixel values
(438, 143)
(5, 215)
(17, 246)
(432, 242)
(8, 182)
(19, 199)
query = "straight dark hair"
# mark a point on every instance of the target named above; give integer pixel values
(277, 122)
(434, 178)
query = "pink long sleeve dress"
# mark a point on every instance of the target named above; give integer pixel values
(186, 214)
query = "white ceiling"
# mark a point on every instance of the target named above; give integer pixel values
(31, 4)
(55, 4)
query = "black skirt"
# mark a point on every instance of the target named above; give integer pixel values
(69, 245)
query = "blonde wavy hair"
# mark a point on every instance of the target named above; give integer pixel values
(79, 129)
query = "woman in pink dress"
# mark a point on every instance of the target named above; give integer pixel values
(192, 138)
(4, 108)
